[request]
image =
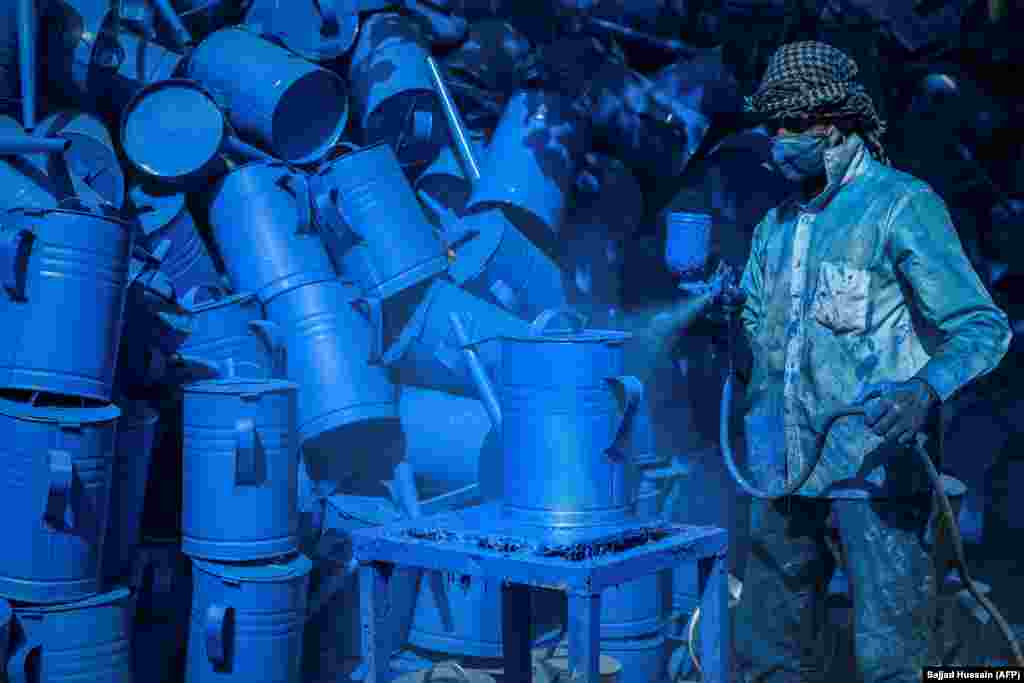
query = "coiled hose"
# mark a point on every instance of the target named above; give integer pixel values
(805, 473)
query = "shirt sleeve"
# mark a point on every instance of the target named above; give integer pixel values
(752, 281)
(974, 334)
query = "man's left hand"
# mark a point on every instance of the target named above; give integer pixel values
(901, 411)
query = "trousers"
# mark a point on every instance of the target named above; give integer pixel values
(891, 575)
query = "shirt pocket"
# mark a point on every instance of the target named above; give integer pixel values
(841, 298)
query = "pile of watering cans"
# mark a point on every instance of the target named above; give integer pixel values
(251, 258)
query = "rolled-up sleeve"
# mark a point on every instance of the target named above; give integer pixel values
(974, 334)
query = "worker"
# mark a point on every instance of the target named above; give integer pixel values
(856, 286)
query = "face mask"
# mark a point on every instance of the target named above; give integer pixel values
(799, 157)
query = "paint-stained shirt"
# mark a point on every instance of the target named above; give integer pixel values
(865, 284)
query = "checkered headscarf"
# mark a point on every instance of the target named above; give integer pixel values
(812, 80)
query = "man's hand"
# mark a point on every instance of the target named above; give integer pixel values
(900, 411)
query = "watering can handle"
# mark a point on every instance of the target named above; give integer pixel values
(540, 324)
(14, 252)
(191, 297)
(453, 666)
(58, 495)
(218, 619)
(270, 334)
(248, 454)
(17, 667)
(630, 391)
(289, 182)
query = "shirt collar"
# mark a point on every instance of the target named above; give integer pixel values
(843, 163)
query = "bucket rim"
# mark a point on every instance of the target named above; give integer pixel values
(230, 300)
(99, 600)
(277, 570)
(148, 91)
(320, 151)
(34, 211)
(92, 415)
(240, 385)
(323, 50)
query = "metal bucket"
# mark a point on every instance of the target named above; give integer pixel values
(61, 260)
(426, 352)
(393, 92)
(568, 412)
(498, 262)
(190, 124)
(276, 113)
(60, 461)
(532, 162)
(262, 223)
(232, 327)
(163, 216)
(449, 442)
(247, 621)
(163, 584)
(240, 470)
(92, 158)
(135, 436)
(333, 632)
(347, 407)
(370, 195)
(317, 31)
(87, 640)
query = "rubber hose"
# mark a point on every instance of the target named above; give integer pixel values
(808, 468)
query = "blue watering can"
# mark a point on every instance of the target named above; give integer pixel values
(88, 639)
(318, 31)
(367, 193)
(248, 621)
(61, 456)
(262, 221)
(275, 114)
(347, 410)
(241, 493)
(393, 92)
(532, 163)
(57, 260)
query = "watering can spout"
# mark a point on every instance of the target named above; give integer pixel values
(14, 144)
(460, 140)
(28, 22)
(477, 371)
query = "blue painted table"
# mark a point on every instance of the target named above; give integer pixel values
(479, 542)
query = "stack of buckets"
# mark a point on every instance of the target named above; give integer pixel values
(68, 474)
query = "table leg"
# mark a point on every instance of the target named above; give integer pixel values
(375, 610)
(715, 630)
(585, 637)
(516, 627)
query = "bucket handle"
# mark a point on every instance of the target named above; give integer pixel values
(218, 622)
(289, 182)
(215, 291)
(271, 336)
(373, 309)
(577, 320)
(450, 664)
(58, 512)
(17, 667)
(629, 391)
(250, 465)
(15, 249)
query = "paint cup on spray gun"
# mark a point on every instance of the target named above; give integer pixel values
(687, 243)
